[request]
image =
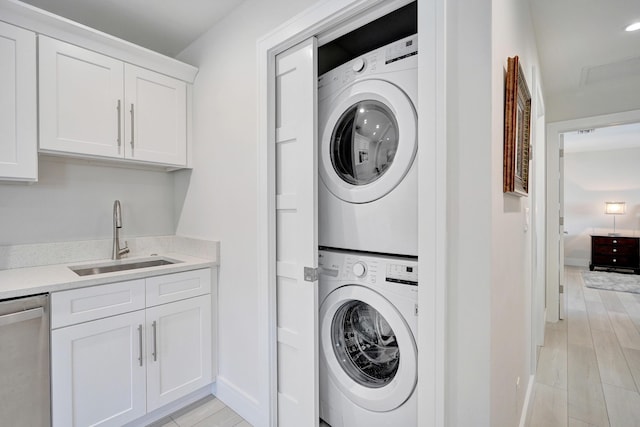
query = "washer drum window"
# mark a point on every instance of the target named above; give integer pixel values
(365, 344)
(364, 142)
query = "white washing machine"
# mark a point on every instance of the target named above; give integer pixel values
(368, 326)
(368, 141)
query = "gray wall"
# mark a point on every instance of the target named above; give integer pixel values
(73, 200)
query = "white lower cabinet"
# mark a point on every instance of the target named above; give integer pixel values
(97, 379)
(178, 349)
(113, 370)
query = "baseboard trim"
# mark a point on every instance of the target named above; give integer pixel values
(245, 405)
(576, 262)
(170, 408)
(526, 408)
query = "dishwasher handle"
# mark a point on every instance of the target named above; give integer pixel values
(21, 316)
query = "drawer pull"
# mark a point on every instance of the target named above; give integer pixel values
(614, 260)
(615, 241)
(615, 250)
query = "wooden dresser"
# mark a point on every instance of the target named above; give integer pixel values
(615, 252)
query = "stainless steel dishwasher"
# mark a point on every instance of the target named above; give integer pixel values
(24, 362)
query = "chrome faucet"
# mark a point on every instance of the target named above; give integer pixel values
(117, 252)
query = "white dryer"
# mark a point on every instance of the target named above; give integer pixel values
(368, 195)
(368, 326)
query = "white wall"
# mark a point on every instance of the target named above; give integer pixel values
(220, 196)
(489, 256)
(511, 302)
(73, 200)
(592, 178)
(603, 98)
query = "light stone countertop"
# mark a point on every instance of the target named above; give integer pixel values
(19, 282)
(31, 269)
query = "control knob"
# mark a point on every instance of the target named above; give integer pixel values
(359, 269)
(358, 65)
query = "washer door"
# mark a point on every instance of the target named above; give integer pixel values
(368, 141)
(368, 348)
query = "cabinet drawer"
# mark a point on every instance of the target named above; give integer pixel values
(620, 261)
(95, 302)
(615, 241)
(174, 287)
(615, 250)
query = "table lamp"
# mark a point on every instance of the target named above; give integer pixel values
(615, 208)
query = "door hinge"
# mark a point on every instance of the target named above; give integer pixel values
(561, 152)
(310, 274)
(562, 289)
(561, 220)
(416, 310)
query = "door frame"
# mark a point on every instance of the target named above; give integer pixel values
(321, 18)
(555, 130)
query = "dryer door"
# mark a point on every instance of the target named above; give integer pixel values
(368, 348)
(368, 140)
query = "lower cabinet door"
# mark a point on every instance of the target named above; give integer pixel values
(178, 349)
(98, 372)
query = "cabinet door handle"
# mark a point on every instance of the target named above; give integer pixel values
(119, 127)
(140, 343)
(132, 129)
(155, 341)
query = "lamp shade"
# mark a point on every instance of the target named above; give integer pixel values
(615, 208)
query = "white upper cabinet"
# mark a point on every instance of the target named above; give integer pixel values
(80, 100)
(18, 136)
(97, 106)
(156, 127)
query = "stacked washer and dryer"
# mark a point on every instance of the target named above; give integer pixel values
(368, 216)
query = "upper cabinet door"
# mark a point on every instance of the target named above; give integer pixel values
(81, 105)
(156, 121)
(18, 137)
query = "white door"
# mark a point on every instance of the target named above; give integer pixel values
(98, 372)
(81, 106)
(296, 235)
(18, 111)
(155, 117)
(178, 349)
(561, 290)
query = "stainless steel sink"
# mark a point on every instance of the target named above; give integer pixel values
(88, 270)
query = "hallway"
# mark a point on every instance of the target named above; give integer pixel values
(589, 369)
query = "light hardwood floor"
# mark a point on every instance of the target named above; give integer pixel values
(207, 412)
(589, 368)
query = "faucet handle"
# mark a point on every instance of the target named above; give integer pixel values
(125, 250)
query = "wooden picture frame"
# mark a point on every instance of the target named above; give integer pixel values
(517, 130)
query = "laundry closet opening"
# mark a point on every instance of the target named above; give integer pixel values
(368, 223)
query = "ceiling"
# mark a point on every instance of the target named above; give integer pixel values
(165, 26)
(583, 43)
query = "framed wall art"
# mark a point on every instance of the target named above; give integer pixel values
(517, 130)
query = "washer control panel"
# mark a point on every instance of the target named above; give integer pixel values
(366, 268)
(403, 272)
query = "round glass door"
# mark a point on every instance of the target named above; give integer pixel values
(368, 140)
(368, 349)
(364, 142)
(365, 344)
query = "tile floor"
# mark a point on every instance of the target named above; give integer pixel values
(589, 368)
(207, 412)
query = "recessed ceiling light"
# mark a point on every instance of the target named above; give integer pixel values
(633, 27)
